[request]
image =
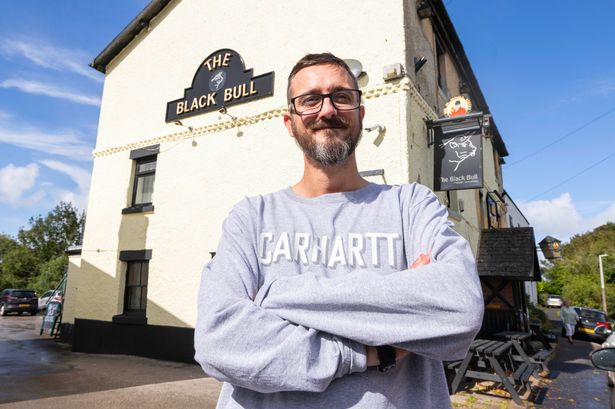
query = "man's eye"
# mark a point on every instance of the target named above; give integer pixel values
(310, 100)
(342, 97)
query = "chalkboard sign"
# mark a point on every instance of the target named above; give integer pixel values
(52, 318)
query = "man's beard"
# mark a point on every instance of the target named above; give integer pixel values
(334, 150)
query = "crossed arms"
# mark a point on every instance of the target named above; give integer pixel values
(299, 333)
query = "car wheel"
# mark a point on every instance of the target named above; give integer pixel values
(2, 310)
(19, 312)
(33, 312)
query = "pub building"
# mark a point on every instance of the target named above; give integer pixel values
(191, 122)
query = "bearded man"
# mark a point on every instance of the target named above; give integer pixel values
(310, 301)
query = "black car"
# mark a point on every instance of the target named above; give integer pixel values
(589, 319)
(18, 300)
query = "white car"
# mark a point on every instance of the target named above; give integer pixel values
(48, 296)
(608, 343)
(554, 301)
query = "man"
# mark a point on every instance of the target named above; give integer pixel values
(307, 281)
(569, 319)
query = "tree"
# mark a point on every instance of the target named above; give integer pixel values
(576, 276)
(38, 259)
(50, 236)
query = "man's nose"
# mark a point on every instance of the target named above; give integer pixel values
(328, 110)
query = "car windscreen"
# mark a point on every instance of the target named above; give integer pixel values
(23, 294)
(593, 315)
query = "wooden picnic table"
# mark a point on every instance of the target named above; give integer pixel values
(524, 352)
(488, 360)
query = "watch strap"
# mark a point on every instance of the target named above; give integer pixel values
(386, 355)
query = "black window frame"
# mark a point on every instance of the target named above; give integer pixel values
(140, 157)
(132, 258)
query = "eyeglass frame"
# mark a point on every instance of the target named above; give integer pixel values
(322, 100)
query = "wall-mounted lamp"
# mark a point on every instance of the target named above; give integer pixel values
(418, 63)
(378, 127)
(223, 111)
(179, 123)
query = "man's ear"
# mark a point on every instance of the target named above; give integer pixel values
(288, 122)
(362, 112)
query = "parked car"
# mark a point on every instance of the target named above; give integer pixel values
(589, 319)
(554, 301)
(608, 343)
(604, 358)
(18, 300)
(47, 297)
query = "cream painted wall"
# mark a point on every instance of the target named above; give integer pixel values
(201, 174)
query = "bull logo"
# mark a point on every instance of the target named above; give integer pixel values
(463, 148)
(217, 80)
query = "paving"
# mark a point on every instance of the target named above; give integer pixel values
(39, 372)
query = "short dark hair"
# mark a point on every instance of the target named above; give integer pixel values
(310, 60)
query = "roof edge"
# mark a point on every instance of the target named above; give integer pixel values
(446, 25)
(125, 37)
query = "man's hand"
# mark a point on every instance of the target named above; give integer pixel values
(372, 355)
(422, 260)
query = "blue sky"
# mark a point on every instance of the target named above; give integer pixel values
(545, 68)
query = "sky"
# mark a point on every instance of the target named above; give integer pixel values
(546, 69)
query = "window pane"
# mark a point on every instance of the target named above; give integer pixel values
(143, 297)
(134, 274)
(134, 298)
(146, 166)
(145, 189)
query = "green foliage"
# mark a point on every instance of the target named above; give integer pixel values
(536, 314)
(577, 275)
(37, 259)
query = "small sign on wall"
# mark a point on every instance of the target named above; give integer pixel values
(220, 81)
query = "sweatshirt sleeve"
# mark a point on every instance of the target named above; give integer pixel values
(434, 310)
(243, 344)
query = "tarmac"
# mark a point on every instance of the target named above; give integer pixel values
(39, 372)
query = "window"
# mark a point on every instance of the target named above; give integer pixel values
(440, 59)
(135, 287)
(135, 295)
(144, 181)
(145, 161)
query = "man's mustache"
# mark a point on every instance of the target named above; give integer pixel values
(333, 122)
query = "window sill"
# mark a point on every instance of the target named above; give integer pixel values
(138, 209)
(125, 319)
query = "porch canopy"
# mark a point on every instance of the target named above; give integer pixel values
(509, 253)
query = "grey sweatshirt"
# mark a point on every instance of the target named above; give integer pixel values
(299, 286)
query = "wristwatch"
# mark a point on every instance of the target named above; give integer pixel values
(386, 355)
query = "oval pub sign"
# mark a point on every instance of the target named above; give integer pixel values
(220, 81)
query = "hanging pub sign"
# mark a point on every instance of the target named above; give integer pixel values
(220, 81)
(458, 152)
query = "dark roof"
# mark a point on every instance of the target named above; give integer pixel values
(508, 252)
(128, 34)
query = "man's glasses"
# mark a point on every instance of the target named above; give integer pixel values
(343, 100)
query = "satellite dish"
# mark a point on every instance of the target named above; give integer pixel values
(355, 66)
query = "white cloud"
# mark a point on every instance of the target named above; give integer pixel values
(561, 219)
(60, 142)
(601, 88)
(47, 56)
(15, 181)
(79, 175)
(39, 88)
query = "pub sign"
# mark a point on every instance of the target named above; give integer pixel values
(220, 81)
(458, 156)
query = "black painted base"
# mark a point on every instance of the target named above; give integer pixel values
(151, 341)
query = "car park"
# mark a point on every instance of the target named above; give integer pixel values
(589, 319)
(18, 300)
(554, 301)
